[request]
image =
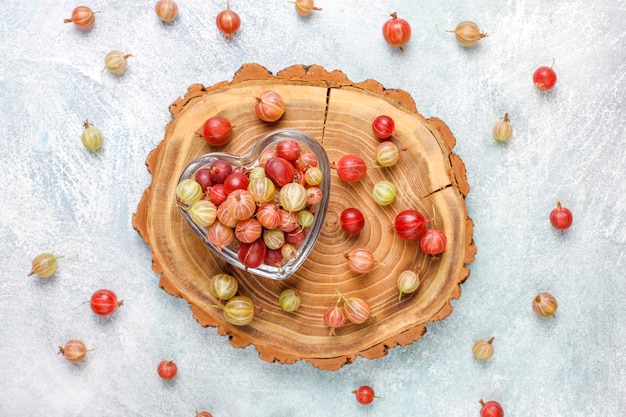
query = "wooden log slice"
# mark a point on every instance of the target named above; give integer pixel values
(338, 113)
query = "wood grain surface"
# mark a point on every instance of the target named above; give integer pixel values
(338, 113)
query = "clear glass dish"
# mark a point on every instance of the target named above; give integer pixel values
(249, 161)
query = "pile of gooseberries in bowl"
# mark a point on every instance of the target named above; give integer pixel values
(262, 211)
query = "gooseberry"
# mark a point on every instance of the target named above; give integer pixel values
(313, 176)
(167, 369)
(305, 7)
(273, 257)
(217, 131)
(350, 168)
(305, 218)
(270, 107)
(227, 21)
(297, 237)
(293, 197)
(82, 17)
(252, 254)
(188, 191)
(203, 414)
(217, 195)
(407, 282)
(223, 286)
(225, 217)
(279, 170)
(357, 309)
(265, 155)
(314, 195)
(203, 212)
(74, 350)
(269, 215)
(352, 220)
(240, 204)
(483, 349)
(433, 242)
(239, 310)
(220, 235)
(257, 172)
(248, 230)
(491, 409)
(44, 265)
(544, 304)
(289, 221)
(274, 238)
(220, 169)
(364, 394)
(166, 10)
(92, 137)
(383, 126)
(467, 33)
(387, 154)
(289, 300)
(261, 189)
(288, 251)
(307, 160)
(544, 78)
(397, 31)
(384, 193)
(203, 177)
(561, 217)
(410, 224)
(116, 62)
(334, 318)
(502, 130)
(104, 302)
(360, 260)
(235, 181)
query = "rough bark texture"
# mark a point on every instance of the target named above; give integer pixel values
(338, 113)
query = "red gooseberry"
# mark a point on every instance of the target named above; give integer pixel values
(252, 254)
(351, 168)
(560, 217)
(203, 177)
(288, 149)
(217, 131)
(104, 302)
(544, 78)
(235, 181)
(219, 170)
(491, 409)
(167, 369)
(352, 220)
(433, 242)
(364, 394)
(217, 195)
(228, 22)
(410, 224)
(273, 257)
(396, 31)
(279, 170)
(383, 126)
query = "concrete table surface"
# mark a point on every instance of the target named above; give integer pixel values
(569, 144)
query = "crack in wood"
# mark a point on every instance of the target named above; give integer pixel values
(326, 113)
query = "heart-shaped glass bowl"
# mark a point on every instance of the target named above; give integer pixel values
(249, 161)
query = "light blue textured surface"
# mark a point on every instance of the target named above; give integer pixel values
(569, 144)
